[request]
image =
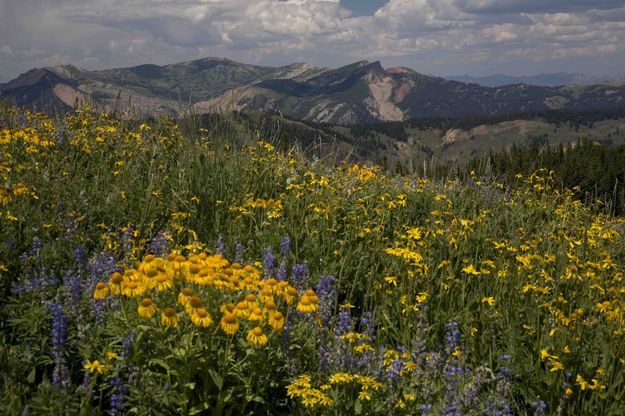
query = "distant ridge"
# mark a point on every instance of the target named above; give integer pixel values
(543, 80)
(361, 92)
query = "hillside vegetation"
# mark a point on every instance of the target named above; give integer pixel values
(146, 271)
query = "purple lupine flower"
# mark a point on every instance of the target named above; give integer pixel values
(116, 402)
(367, 323)
(161, 244)
(505, 372)
(326, 291)
(425, 409)
(220, 246)
(127, 242)
(324, 358)
(286, 345)
(539, 408)
(60, 135)
(452, 336)
(35, 281)
(35, 248)
(101, 267)
(86, 382)
(344, 324)
(452, 409)
(395, 370)
(70, 229)
(450, 373)
(269, 261)
(73, 282)
(300, 276)
(285, 246)
(128, 343)
(81, 257)
(99, 311)
(18, 287)
(239, 253)
(58, 332)
(282, 272)
(49, 279)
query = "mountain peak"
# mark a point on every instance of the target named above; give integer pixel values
(376, 65)
(67, 71)
(400, 70)
(32, 77)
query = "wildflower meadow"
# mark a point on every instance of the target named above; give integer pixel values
(146, 271)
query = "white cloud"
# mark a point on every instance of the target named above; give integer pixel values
(428, 35)
(500, 33)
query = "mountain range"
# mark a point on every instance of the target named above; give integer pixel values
(361, 92)
(544, 80)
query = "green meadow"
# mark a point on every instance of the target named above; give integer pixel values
(149, 271)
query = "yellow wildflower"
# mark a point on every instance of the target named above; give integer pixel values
(489, 300)
(306, 306)
(184, 296)
(100, 291)
(169, 318)
(290, 295)
(340, 378)
(241, 310)
(471, 270)
(364, 395)
(256, 336)
(133, 289)
(391, 280)
(115, 283)
(146, 308)
(163, 282)
(201, 318)
(276, 320)
(96, 367)
(229, 323)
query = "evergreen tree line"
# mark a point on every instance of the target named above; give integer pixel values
(397, 129)
(594, 171)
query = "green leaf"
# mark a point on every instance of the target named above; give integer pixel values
(198, 409)
(258, 399)
(31, 376)
(216, 379)
(161, 362)
(358, 407)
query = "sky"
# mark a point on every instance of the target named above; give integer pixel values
(440, 37)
